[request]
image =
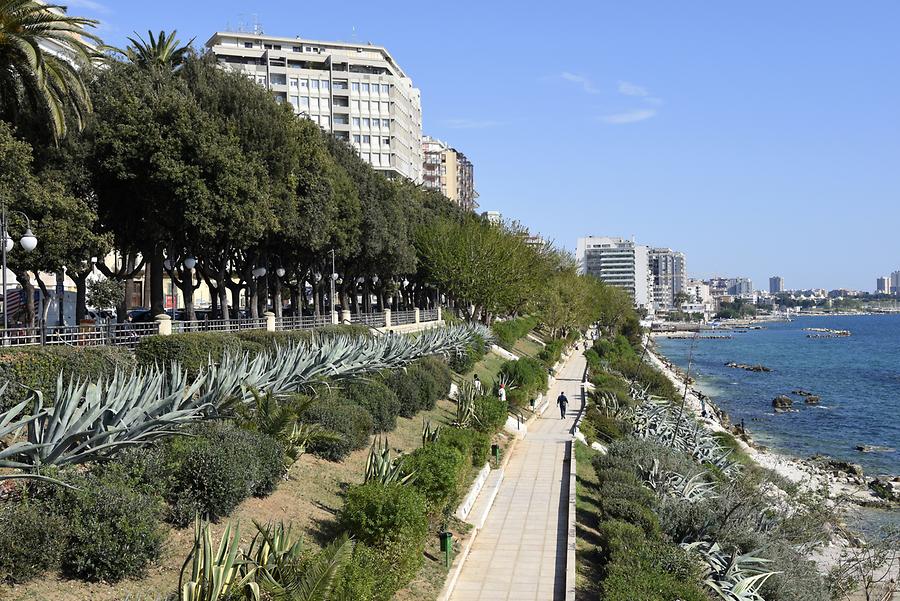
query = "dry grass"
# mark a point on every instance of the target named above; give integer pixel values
(526, 347)
(309, 498)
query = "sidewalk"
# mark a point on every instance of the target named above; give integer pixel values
(520, 554)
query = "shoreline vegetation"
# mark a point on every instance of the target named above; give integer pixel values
(674, 503)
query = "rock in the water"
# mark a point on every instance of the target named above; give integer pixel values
(885, 489)
(811, 399)
(782, 402)
(871, 448)
(755, 368)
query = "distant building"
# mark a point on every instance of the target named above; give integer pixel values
(493, 216)
(740, 286)
(618, 262)
(448, 171)
(356, 91)
(883, 285)
(895, 282)
(776, 284)
(668, 271)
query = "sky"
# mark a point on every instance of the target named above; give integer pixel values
(759, 138)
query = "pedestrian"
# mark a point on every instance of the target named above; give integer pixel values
(562, 401)
(476, 383)
(502, 393)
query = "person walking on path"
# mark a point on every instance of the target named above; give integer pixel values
(562, 401)
(502, 393)
(477, 384)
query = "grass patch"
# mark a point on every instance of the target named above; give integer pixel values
(587, 510)
(487, 369)
(526, 347)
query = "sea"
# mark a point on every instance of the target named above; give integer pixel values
(857, 379)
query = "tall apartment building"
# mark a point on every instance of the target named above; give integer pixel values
(740, 286)
(668, 272)
(618, 262)
(448, 171)
(895, 282)
(357, 91)
(883, 285)
(776, 284)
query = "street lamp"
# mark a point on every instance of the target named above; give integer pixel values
(280, 272)
(29, 243)
(259, 272)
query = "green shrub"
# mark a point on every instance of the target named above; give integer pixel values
(192, 350)
(392, 520)
(37, 368)
(509, 331)
(211, 472)
(419, 386)
(552, 352)
(439, 470)
(359, 579)
(405, 388)
(637, 493)
(481, 448)
(376, 398)
(633, 512)
(517, 398)
(463, 362)
(32, 541)
(491, 414)
(603, 428)
(351, 422)
(113, 529)
(426, 384)
(441, 374)
(529, 374)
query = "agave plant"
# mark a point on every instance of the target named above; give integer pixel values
(429, 434)
(216, 572)
(731, 576)
(380, 467)
(465, 405)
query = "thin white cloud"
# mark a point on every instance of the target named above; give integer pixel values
(88, 5)
(470, 123)
(629, 89)
(581, 80)
(632, 116)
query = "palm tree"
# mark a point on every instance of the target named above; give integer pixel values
(165, 51)
(41, 49)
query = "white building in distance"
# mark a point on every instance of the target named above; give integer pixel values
(667, 267)
(618, 262)
(357, 91)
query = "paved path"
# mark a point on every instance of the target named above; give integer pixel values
(520, 554)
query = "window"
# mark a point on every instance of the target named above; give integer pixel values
(366, 139)
(385, 123)
(324, 84)
(365, 88)
(341, 120)
(364, 106)
(248, 44)
(355, 106)
(304, 84)
(376, 160)
(276, 47)
(314, 84)
(386, 141)
(313, 104)
(324, 102)
(261, 80)
(341, 101)
(267, 46)
(385, 107)
(293, 83)
(342, 135)
(295, 48)
(304, 102)
(355, 122)
(365, 122)
(340, 84)
(295, 102)
(375, 108)
(386, 160)
(385, 88)
(325, 120)
(356, 138)
(278, 79)
(354, 86)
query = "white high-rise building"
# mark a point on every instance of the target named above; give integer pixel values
(668, 271)
(883, 285)
(895, 282)
(618, 262)
(357, 91)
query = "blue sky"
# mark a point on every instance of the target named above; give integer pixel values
(759, 138)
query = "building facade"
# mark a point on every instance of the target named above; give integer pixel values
(668, 271)
(356, 91)
(895, 282)
(776, 284)
(621, 263)
(448, 171)
(883, 285)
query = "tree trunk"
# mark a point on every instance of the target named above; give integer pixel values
(254, 298)
(25, 281)
(315, 297)
(187, 291)
(80, 280)
(157, 304)
(276, 296)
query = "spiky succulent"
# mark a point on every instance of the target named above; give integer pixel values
(382, 468)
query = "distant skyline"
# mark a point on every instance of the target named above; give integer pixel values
(757, 138)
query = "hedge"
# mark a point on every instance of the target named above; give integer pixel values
(376, 398)
(552, 352)
(32, 541)
(529, 375)
(490, 414)
(419, 386)
(352, 423)
(439, 469)
(509, 331)
(37, 368)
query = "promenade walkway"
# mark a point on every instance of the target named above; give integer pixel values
(520, 554)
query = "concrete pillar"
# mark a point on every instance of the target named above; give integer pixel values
(270, 321)
(345, 316)
(164, 322)
(334, 317)
(440, 313)
(387, 318)
(416, 312)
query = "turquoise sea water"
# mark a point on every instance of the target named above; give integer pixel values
(857, 378)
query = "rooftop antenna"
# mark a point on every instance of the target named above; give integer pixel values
(257, 27)
(353, 35)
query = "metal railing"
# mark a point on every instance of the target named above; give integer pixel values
(428, 315)
(122, 334)
(219, 325)
(302, 322)
(400, 318)
(376, 320)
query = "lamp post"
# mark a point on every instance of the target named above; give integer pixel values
(29, 243)
(333, 278)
